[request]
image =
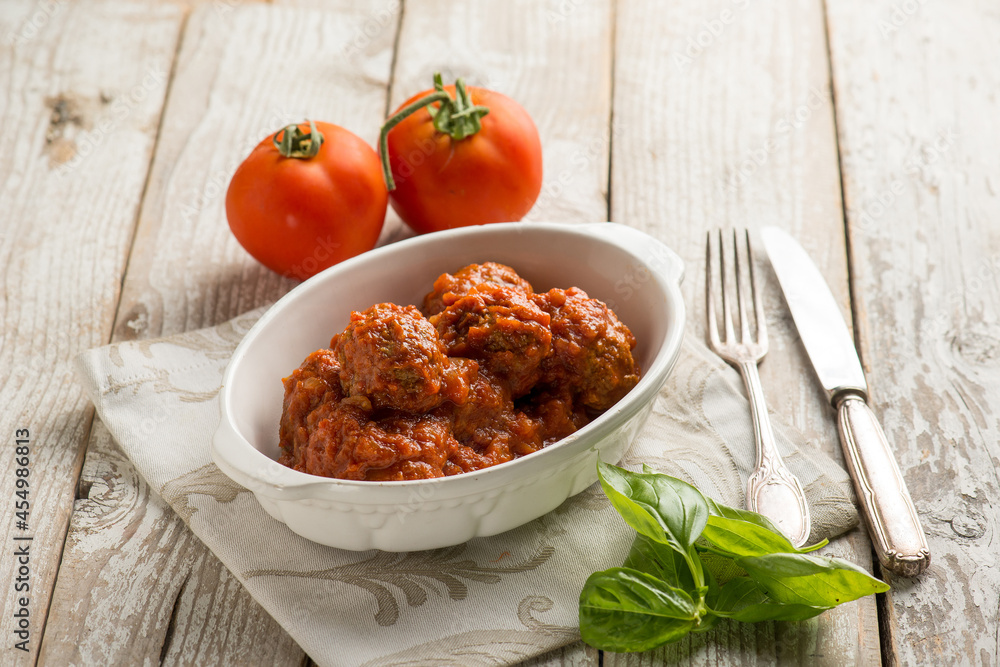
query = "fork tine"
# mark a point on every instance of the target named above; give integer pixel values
(758, 302)
(726, 310)
(713, 325)
(741, 298)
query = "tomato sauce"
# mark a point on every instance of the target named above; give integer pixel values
(489, 371)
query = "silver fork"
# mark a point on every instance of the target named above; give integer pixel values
(772, 490)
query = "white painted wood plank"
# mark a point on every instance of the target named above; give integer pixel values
(574, 655)
(555, 59)
(723, 118)
(241, 74)
(917, 99)
(77, 129)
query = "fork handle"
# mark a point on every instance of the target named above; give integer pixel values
(772, 489)
(892, 519)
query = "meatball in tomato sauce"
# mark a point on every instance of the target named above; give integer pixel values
(501, 328)
(394, 357)
(498, 371)
(316, 382)
(591, 349)
(448, 288)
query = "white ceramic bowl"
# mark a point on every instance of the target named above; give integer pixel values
(633, 273)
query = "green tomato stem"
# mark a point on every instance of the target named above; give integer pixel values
(294, 143)
(458, 118)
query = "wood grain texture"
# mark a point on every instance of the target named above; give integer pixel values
(69, 195)
(723, 118)
(720, 119)
(575, 655)
(146, 582)
(917, 99)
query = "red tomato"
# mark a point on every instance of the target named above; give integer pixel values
(298, 209)
(451, 174)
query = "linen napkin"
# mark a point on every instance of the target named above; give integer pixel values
(491, 601)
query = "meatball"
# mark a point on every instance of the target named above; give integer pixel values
(475, 422)
(488, 428)
(591, 349)
(346, 443)
(419, 446)
(497, 372)
(448, 288)
(394, 357)
(556, 415)
(501, 328)
(316, 381)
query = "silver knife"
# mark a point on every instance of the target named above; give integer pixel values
(885, 502)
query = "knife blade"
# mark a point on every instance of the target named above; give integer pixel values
(885, 501)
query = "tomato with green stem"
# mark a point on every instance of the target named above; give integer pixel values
(306, 198)
(459, 155)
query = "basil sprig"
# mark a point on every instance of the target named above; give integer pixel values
(695, 561)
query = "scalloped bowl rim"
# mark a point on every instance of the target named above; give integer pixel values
(283, 483)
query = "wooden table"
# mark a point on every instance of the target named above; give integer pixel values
(868, 129)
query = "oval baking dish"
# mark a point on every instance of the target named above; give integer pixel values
(636, 275)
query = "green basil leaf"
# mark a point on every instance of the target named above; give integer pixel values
(661, 507)
(721, 569)
(710, 590)
(814, 547)
(756, 523)
(626, 610)
(694, 561)
(810, 580)
(716, 508)
(661, 561)
(743, 600)
(742, 538)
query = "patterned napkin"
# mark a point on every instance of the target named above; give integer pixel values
(490, 601)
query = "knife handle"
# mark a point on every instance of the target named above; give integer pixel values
(892, 519)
